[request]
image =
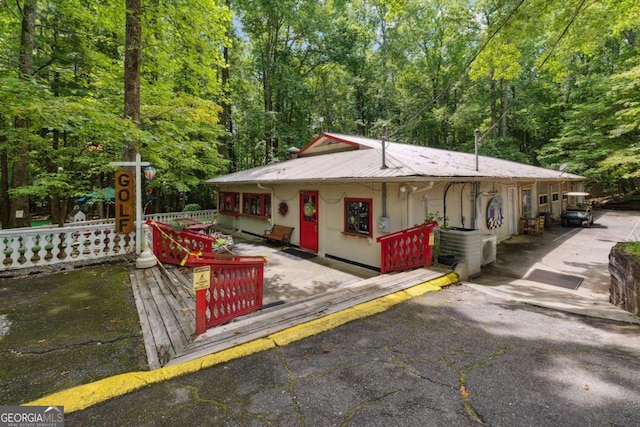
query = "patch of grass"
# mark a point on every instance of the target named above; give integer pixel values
(66, 329)
(630, 248)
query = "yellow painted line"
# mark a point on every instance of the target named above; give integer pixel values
(83, 396)
(314, 327)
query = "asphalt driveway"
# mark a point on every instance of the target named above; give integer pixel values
(474, 354)
(455, 357)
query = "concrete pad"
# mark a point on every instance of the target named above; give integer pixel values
(582, 252)
(289, 278)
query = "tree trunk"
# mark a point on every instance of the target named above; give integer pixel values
(494, 110)
(5, 201)
(225, 115)
(132, 55)
(505, 108)
(19, 209)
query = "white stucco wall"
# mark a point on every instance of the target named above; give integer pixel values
(405, 209)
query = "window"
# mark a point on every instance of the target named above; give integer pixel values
(555, 197)
(230, 203)
(544, 200)
(357, 218)
(256, 205)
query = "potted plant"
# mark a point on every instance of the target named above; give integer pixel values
(448, 258)
(440, 255)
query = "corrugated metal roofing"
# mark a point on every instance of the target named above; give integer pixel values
(325, 158)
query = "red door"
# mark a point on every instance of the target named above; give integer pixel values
(309, 220)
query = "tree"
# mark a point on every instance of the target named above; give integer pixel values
(19, 214)
(132, 55)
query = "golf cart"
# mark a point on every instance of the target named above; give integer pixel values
(577, 210)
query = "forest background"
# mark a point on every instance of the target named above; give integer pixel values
(229, 85)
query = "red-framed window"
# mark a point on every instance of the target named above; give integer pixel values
(229, 203)
(358, 217)
(256, 204)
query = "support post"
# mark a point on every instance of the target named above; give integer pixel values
(145, 261)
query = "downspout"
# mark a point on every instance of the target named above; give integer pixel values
(476, 205)
(444, 205)
(462, 205)
(384, 199)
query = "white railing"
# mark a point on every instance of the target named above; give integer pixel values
(38, 247)
(206, 216)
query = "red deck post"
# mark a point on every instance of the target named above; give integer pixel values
(201, 311)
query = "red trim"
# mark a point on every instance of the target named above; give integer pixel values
(262, 205)
(346, 141)
(345, 231)
(362, 236)
(327, 136)
(235, 208)
(302, 150)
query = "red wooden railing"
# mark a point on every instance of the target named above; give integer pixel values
(173, 246)
(236, 288)
(406, 249)
(236, 282)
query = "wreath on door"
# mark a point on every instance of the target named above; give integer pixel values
(308, 209)
(283, 208)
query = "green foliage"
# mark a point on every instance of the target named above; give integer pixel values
(546, 83)
(192, 207)
(74, 100)
(630, 248)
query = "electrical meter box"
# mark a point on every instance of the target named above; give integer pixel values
(384, 224)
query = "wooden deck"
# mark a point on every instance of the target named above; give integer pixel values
(166, 307)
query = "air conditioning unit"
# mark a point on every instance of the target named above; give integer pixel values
(466, 244)
(489, 243)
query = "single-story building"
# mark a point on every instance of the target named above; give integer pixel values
(341, 193)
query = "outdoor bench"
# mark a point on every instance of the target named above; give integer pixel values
(278, 233)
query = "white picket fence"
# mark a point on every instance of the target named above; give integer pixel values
(77, 242)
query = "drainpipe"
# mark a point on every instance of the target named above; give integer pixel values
(384, 199)
(476, 204)
(462, 205)
(444, 205)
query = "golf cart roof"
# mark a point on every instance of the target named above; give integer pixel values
(577, 193)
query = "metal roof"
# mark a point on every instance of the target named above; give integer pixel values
(336, 157)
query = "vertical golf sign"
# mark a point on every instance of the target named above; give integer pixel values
(125, 201)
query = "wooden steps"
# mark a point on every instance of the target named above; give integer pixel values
(166, 306)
